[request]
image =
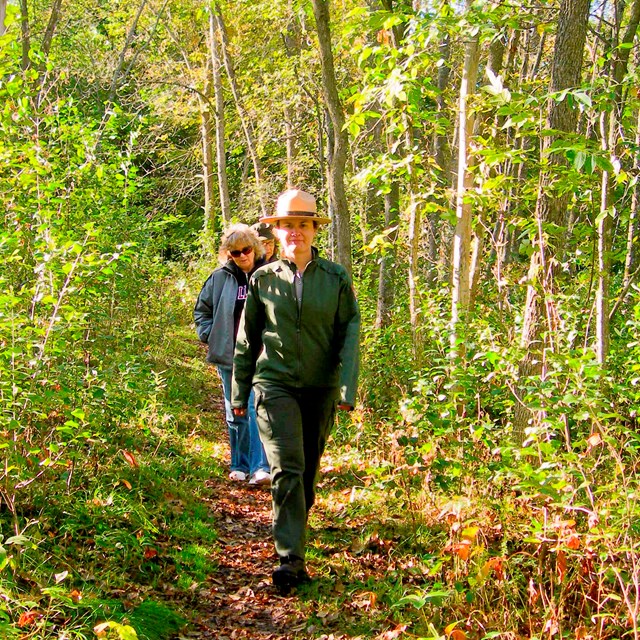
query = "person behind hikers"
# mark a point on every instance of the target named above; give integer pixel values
(265, 233)
(217, 316)
(297, 348)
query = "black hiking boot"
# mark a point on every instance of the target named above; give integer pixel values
(290, 573)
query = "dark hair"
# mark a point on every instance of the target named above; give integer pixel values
(263, 230)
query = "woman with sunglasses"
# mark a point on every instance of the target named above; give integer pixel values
(217, 316)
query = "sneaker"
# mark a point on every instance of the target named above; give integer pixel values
(260, 477)
(290, 573)
(239, 476)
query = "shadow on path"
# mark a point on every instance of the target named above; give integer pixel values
(240, 601)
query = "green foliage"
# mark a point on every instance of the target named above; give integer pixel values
(81, 315)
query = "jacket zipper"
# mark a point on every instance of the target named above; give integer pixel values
(299, 322)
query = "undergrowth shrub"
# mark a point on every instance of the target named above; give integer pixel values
(83, 307)
(540, 534)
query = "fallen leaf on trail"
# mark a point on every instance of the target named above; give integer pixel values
(533, 593)
(564, 525)
(366, 600)
(495, 565)
(130, 458)
(150, 552)
(458, 634)
(449, 628)
(27, 618)
(551, 626)
(126, 483)
(594, 440)
(358, 546)
(392, 634)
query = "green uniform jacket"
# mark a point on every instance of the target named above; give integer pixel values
(314, 346)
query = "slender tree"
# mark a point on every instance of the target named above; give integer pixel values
(338, 151)
(3, 16)
(25, 28)
(123, 52)
(221, 156)
(630, 261)
(461, 258)
(54, 17)
(247, 126)
(441, 151)
(385, 280)
(610, 122)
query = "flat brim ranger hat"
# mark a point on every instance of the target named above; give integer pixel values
(296, 204)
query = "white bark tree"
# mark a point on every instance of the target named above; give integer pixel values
(461, 255)
(219, 115)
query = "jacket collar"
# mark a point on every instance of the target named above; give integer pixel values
(292, 265)
(236, 271)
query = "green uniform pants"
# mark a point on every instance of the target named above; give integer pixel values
(294, 425)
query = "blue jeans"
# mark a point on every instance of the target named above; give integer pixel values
(247, 452)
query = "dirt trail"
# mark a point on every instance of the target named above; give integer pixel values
(239, 600)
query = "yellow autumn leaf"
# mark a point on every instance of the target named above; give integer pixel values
(449, 628)
(470, 533)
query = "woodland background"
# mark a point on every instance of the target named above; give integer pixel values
(481, 163)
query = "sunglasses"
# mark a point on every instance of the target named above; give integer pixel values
(236, 253)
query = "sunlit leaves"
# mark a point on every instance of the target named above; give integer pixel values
(496, 88)
(121, 631)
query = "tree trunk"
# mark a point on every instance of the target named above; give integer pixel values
(221, 157)
(54, 17)
(291, 147)
(609, 126)
(25, 30)
(415, 228)
(123, 52)
(630, 260)
(442, 157)
(3, 17)
(461, 276)
(207, 161)
(337, 195)
(494, 65)
(385, 281)
(551, 207)
(382, 213)
(607, 123)
(244, 118)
